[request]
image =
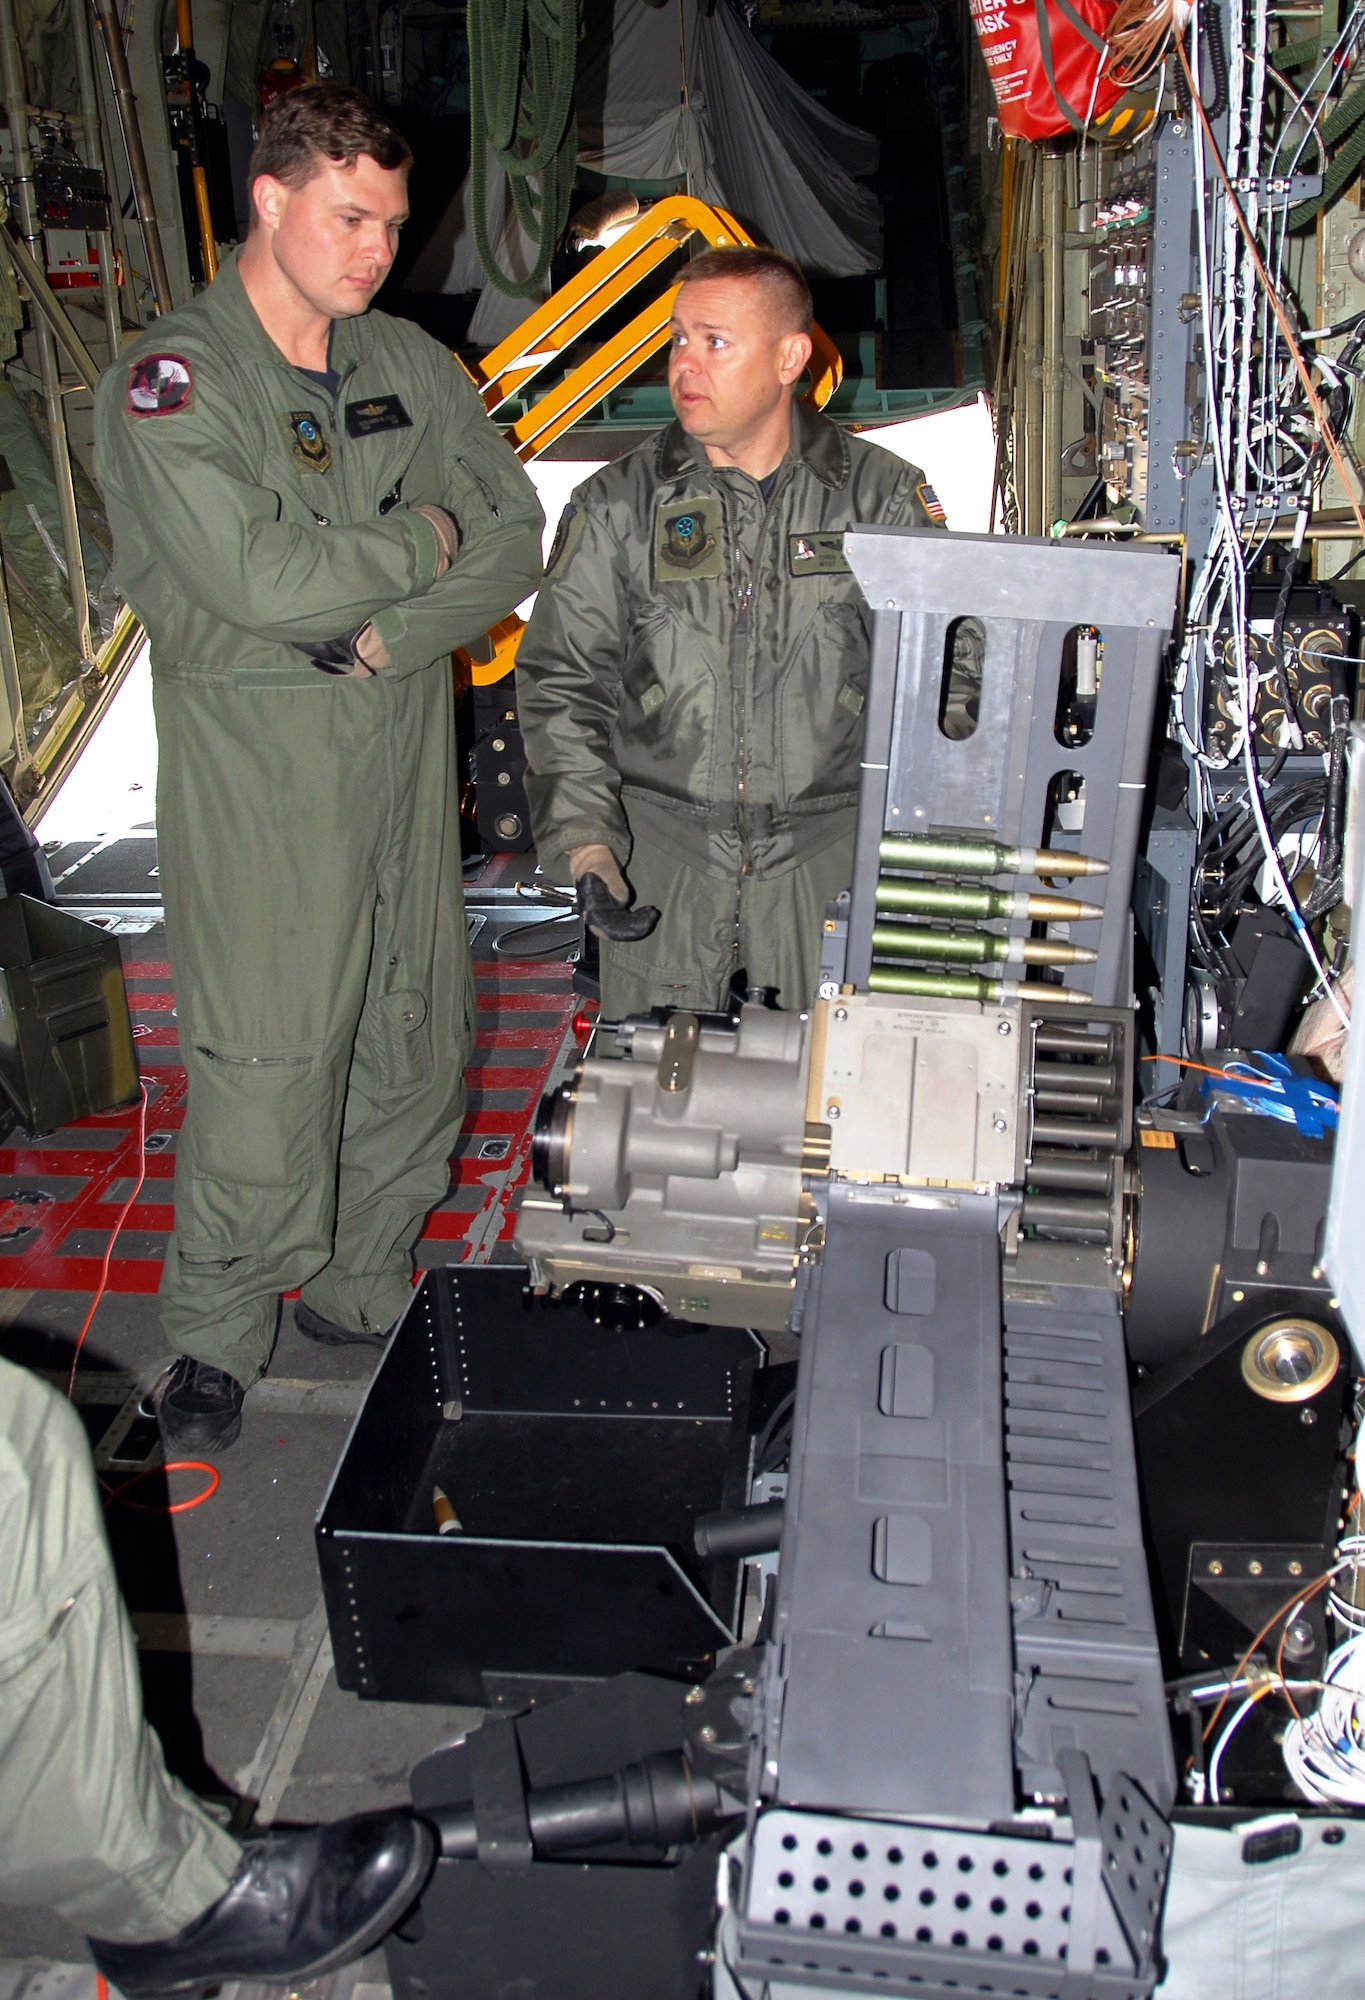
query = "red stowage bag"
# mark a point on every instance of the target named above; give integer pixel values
(1043, 57)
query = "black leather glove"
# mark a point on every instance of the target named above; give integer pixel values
(333, 656)
(610, 919)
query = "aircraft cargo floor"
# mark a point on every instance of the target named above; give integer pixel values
(225, 1596)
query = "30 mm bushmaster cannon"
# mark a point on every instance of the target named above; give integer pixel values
(952, 1731)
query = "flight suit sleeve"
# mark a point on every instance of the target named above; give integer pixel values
(569, 667)
(500, 523)
(913, 504)
(186, 476)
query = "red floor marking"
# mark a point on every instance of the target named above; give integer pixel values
(42, 1263)
(41, 1266)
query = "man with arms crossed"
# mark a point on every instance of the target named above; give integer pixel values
(310, 510)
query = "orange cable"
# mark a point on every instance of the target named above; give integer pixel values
(113, 1238)
(1184, 1062)
(1291, 1603)
(115, 1493)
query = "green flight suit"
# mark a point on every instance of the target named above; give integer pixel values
(691, 688)
(91, 1823)
(308, 823)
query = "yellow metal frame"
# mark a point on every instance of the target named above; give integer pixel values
(565, 317)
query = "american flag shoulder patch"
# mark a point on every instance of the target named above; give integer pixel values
(931, 503)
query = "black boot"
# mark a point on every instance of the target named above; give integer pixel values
(300, 1905)
(199, 1407)
(327, 1333)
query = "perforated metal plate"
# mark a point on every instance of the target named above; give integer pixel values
(895, 1902)
(1136, 1843)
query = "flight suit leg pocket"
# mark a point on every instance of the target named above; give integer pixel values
(403, 1040)
(255, 1117)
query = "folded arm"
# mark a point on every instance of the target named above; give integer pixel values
(499, 517)
(188, 483)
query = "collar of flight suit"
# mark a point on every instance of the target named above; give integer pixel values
(816, 442)
(227, 301)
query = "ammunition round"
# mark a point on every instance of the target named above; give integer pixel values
(953, 899)
(932, 855)
(974, 947)
(962, 986)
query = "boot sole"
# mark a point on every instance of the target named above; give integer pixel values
(189, 1433)
(413, 1881)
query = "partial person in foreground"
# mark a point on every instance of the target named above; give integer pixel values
(310, 510)
(692, 682)
(91, 1823)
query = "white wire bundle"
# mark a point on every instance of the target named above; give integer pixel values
(1248, 384)
(1324, 1752)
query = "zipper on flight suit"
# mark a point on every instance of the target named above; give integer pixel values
(747, 575)
(744, 593)
(493, 506)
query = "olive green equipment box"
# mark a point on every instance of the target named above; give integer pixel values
(66, 1043)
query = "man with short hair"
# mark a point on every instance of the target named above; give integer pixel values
(692, 681)
(310, 510)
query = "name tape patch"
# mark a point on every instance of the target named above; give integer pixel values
(159, 386)
(376, 413)
(812, 554)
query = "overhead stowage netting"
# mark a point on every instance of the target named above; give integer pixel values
(665, 93)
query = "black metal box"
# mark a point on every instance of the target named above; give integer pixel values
(576, 1460)
(66, 1043)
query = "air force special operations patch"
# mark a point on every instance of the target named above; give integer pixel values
(311, 449)
(686, 543)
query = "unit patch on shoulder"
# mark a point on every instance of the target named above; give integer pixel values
(376, 413)
(159, 385)
(687, 541)
(931, 504)
(312, 453)
(812, 554)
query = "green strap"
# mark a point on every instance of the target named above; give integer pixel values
(1296, 55)
(1345, 118)
(1073, 118)
(522, 59)
(1340, 174)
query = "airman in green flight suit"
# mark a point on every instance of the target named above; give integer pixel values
(310, 510)
(692, 681)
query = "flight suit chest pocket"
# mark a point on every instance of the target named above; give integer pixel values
(688, 540)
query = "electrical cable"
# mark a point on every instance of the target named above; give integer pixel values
(1288, 1611)
(555, 948)
(1237, 576)
(113, 1238)
(1324, 1753)
(1216, 1759)
(114, 1495)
